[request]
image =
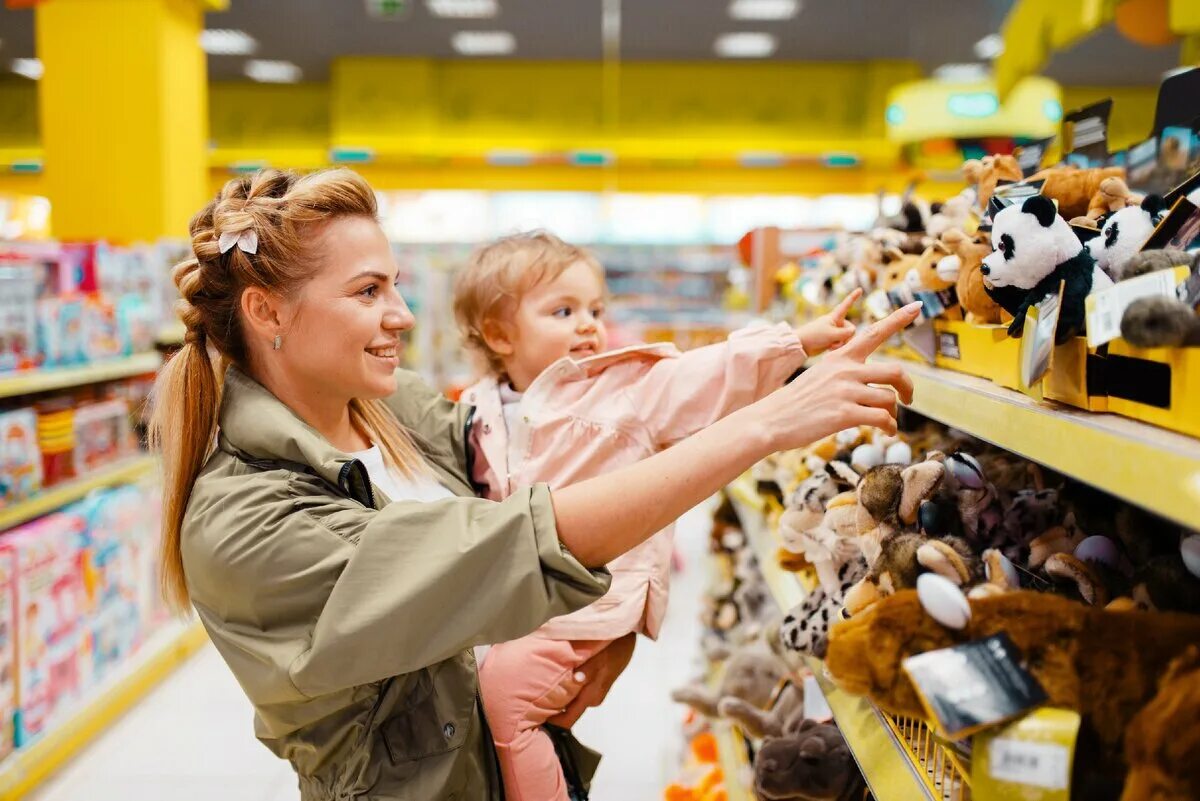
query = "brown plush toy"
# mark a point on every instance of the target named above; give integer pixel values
(925, 274)
(1077, 191)
(753, 673)
(1162, 745)
(1104, 664)
(974, 299)
(987, 172)
(811, 763)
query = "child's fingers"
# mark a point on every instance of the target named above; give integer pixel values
(839, 312)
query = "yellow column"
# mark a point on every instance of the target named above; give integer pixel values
(124, 116)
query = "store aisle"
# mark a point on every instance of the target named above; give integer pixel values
(191, 739)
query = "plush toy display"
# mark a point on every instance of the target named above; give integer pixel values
(1034, 250)
(1103, 664)
(1124, 233)
(933, 272)
(805, 629)
(752, 673)
(811, 762)
(1077, 191)
(989, 171)
(954, 213)
(1162, 746)
(972, 294)
(1158, 322)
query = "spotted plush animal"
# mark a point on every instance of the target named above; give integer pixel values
(805, 629)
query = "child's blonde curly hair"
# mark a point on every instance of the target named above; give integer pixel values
(499, 274)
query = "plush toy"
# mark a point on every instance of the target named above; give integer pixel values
(830, 544)
(1077, 191)
(1103, 664)
(1161, 322)
(933, 272)
(805, 629)
(1124, 233)
(752, 673)
(770, 720)
(1034, 250)
(1113, 196)
(1162, 745)
(972, 295)
(811, 762)
(989, 171)
(889, 499)
(954, 213)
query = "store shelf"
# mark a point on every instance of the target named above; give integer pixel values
(57, 497)
(891, 767)
(170, 335)
(30, 382)
(731, 751)
(22, 771)
(1142, 464)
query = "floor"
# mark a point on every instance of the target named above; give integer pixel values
(191, 738)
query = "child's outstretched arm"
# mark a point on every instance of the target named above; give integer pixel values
(831, 330)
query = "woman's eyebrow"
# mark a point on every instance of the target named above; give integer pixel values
(368, 274)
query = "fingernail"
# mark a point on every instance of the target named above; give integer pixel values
(914, 306)
(579, 676)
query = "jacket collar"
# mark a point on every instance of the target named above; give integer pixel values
(261, 428)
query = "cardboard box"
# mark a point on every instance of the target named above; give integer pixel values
(986, 351)
(1077, 376)
(1160, 386)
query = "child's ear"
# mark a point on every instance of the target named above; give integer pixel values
(497, 337)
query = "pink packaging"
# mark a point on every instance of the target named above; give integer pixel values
(8, 653)
(50, 599)
(102, 434)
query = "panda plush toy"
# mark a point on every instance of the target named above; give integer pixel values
(1124, 233)
(1033, 250)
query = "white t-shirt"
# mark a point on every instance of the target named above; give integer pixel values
(510, 403)
(394, 485)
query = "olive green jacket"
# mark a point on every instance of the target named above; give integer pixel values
(349, 620)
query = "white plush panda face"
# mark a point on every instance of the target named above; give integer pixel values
(1122, 236)
(1028, 242)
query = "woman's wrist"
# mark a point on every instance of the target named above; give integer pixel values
(750, 433)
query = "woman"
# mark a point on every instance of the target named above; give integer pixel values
(318, 511)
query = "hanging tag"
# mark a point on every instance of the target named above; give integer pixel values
(1106, 307)
(972, 686)
(922, 339)
(1030, 758)
(1037, 341)
(816, 707)
(878, 305)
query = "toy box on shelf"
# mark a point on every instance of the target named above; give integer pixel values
(1077, 376)
(20, 459)
(985, 351)
(1160, 386)
(8, 653)
(49, 600)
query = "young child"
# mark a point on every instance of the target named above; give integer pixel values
(557, 408)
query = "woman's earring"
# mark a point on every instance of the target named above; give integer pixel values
(278, 341)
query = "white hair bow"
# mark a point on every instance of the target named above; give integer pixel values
(247, 241)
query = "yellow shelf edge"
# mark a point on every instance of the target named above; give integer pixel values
(1142, 464)
(732, 756)
(48, 501)
(24, 770)
(44, 380)
(885, 762)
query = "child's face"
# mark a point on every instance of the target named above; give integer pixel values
(558, 318)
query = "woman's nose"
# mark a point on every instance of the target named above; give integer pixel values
(399, 317)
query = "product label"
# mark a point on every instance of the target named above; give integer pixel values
(878, 305)
(1029, 759)
(1106, 307)
(948, 345)
(921, 338)
(972, 686)
(1037, 340)
(816, 707)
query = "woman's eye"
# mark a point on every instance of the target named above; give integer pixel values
(370, 291)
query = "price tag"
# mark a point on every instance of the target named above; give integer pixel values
(1106, 307)
(972, 686)
(1037, 339)
(816, 707)
(1030, 758)
(878, 305)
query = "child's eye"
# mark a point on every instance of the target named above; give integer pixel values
(598, 312)
(562, 312)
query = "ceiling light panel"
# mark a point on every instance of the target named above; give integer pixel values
(764, 9)
(463, 9)
(745, 45)
(272, 71)
(962, 73)
(226, 42)
(989, 47)
(483, 43)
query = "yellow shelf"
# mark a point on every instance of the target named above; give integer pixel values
(731, 752)
(1147, 466)
(33, 381)
(21, 772)
(122, 472)
(891, 769)
(171, 335)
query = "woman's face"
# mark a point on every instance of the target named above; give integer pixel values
(344, 339)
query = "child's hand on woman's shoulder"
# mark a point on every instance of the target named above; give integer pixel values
(829, 331)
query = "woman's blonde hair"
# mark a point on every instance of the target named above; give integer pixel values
(285, 211)
(499, 273)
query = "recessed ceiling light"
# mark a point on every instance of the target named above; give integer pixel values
(764, 9)
(272, 71)
(29, 67)
(989, 47)
(463, 9)
(226, 42)
(483, 43)
(745, 45)
(962, 73)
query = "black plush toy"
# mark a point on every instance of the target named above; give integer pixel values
(1033, 250)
